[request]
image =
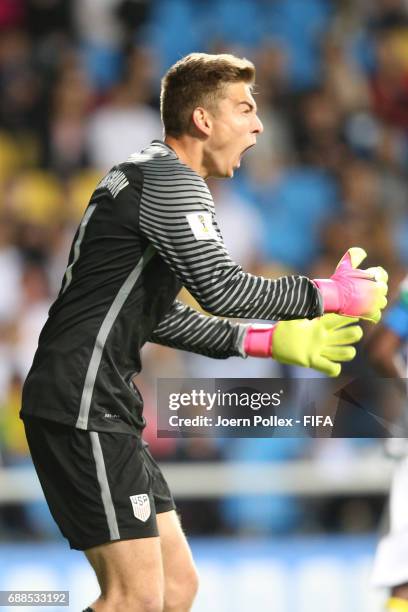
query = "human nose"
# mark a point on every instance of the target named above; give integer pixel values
(258, 129)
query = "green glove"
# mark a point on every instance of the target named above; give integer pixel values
(318, 344)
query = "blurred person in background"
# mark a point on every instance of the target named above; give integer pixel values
(11, 296)
(318, 130)
(150, 227)
(389, 83)
(30, 318)
(361, 214)
(14, 517)
(22, 90)
(105, 30)
(25, 323)
(65, 138)
(126, 121)
(389, 353)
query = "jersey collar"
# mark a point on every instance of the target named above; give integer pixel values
(165, 146)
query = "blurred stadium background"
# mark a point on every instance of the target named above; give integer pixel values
(79, 92)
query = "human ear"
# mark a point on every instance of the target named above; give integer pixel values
(202, 120)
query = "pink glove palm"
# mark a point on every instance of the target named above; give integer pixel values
(355, 292)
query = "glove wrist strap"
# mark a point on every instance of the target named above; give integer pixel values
(330, 293)
(258, 340)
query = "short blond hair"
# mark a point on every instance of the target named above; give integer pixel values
(198, 79)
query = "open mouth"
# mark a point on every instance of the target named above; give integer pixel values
(243, 152)
(247, 148)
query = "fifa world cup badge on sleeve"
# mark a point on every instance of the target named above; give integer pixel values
(202, 226)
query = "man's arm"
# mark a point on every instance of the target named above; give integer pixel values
(188, 330)
(320, 344)
(177, 216)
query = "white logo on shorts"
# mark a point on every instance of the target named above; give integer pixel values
(141, 506)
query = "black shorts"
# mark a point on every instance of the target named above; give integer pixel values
(99, 486)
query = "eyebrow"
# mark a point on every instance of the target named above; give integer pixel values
(251, 106)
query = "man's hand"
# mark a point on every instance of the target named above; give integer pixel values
(355, 292)
(319, 343)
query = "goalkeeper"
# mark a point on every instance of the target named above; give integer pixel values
(149, 229)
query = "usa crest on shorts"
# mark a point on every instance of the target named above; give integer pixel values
(141, 506)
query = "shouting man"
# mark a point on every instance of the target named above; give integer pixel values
(149, 229)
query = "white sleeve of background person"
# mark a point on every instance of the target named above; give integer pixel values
(391, 559)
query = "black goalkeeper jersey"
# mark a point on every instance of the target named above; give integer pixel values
(149, 229)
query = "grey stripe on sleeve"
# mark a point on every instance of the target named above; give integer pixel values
(107, 324)
(104, 485)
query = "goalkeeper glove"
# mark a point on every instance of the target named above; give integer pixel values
(395, 604)
(355, 292)
(318, 343)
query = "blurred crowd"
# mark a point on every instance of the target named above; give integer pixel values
(79, 90)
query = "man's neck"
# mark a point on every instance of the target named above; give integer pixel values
(189, 151)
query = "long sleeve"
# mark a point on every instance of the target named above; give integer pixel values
(177, 216)
(186, 329)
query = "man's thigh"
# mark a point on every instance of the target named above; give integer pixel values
(150, 567)
(130, 568)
